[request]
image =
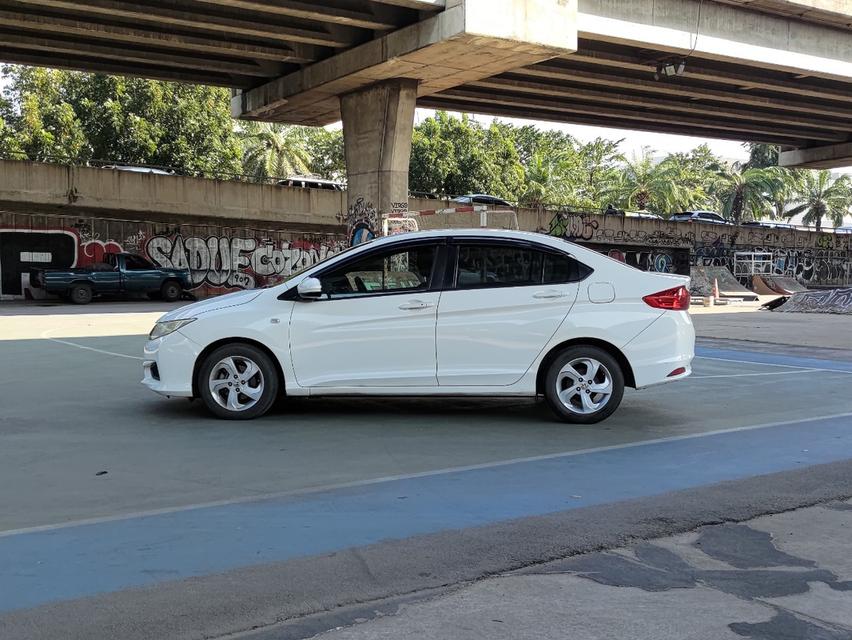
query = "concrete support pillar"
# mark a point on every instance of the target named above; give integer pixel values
(377, 126)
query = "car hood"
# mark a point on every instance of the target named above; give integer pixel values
(212, 304)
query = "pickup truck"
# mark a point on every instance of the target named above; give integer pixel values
(118, 274)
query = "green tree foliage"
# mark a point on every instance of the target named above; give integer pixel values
(83, 117)
(458, 156)
(761, 155)
(325, 148)
(273, 150)
(821, 195)
(744, 192)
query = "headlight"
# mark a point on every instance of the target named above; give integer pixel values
(165, 328)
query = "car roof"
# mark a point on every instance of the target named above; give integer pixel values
(497, 234)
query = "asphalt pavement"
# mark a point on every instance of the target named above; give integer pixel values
(129, 515)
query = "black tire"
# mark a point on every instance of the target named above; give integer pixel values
(171, 291)
(240, 353)
(80, 293)
(574, 414)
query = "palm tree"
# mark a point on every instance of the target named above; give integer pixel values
(782, 192)
(644, 184)
(744, 191)
(823, 196)
(271, 149)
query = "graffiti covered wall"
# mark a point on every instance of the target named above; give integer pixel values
(220, 259)
(814, 259)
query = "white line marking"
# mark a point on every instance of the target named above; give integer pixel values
(81, 346)
(766, 373)
(771, 364)
(409, 476)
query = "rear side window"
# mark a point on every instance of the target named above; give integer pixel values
(495, 266)
(482, 265)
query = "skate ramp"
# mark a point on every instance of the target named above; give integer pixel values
(785, 285)
(729, 287)
(761, 286)
(824, 301)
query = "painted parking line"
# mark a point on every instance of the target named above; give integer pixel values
(772, 359)
(58, 564)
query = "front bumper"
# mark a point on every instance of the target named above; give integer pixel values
(169, 365)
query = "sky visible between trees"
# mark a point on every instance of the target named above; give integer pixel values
(65, 116)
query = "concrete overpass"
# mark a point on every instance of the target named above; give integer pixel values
(777, 71)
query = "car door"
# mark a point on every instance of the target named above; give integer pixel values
(140, 274)
(505, 302)
(375, 323)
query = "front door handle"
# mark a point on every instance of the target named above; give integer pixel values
(414, 305)
(548, 295)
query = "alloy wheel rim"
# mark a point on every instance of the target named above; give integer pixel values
(236, 383)
(584, 386)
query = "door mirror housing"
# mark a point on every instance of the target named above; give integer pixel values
(309, 289)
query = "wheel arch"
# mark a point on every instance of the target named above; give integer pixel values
(611, 349)
(222, 342)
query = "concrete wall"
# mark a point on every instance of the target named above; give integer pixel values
(54, 188)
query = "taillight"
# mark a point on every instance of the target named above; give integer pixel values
(676, 299)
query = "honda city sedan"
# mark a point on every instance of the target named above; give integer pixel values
(436, 313)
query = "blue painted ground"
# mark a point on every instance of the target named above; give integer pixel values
(774, 359)
(77, 561)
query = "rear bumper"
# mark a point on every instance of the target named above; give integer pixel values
(169, 365)
(667, 345)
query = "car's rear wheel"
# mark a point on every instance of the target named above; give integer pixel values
(238, 382)
(170, 291)
(584, 385)
(80, 293)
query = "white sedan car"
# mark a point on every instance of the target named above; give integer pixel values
(436, 313)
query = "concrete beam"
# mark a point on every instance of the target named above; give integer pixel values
(198, 22)
(470, 40)
(325, 12)
(827, 157)
(727, 32)
(152, 37)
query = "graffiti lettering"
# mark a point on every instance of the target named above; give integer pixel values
(235, 262)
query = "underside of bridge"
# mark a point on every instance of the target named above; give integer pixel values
(776, 71)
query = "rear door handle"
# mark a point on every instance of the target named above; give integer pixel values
(548, 295)
(414, 305)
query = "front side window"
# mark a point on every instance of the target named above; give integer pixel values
(137, 263)
(406, 269)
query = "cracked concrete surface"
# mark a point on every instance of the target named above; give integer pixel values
(779, 577)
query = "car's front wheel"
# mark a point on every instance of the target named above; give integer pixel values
(584, 385)
(237, 382)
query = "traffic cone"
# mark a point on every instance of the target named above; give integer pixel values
(716, 288)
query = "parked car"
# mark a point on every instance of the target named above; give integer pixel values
(118, 274)
(699, 216)
(644, 215)
(138, 169)
(768, 224)
(434, 313)
(481, 198)
(311, 182)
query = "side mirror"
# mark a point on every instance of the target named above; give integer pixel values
(309, 289)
